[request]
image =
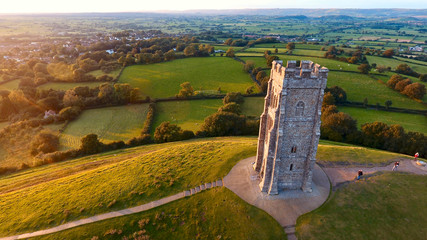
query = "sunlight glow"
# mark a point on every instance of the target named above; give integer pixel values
(61, 6)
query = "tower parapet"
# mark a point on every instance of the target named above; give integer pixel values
(290, 126)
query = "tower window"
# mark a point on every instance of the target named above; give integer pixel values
(294, 149)
(291, 167)
(299, 110)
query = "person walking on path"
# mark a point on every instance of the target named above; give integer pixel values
(359, 174)
(416, 156)
(396, 164)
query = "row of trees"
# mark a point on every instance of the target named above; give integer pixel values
(341, 127)
(28, 102)
(405, 86)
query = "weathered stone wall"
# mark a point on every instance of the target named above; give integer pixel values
(290, 126)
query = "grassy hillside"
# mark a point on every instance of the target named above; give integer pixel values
(393, 63)
(50, 195)
(110, 124)
(11, 85)
(410, 122)
(214, 214)
(189, 115)
(375, 208)
(210, 73)
(332, 153)
(66, 86)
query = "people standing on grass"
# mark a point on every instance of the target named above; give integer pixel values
(359, 174)
(396, 164)
(416, 156)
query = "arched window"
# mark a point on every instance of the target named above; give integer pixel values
(294, 149)
(299, 110)
(291, 167)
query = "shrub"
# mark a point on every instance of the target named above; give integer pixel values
(394, 80)
(415, 90)
(90, 144)
(231, 107)
(167, 132)
(402, 84)
(233, 97)
(44, 142)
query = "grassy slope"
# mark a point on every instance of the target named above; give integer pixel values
(329, 153)
(12, 85)
(110, 124)
(376, 208)
(410, 122)
(214, 214)
(86, 186)
(189, 115)
(390, 62)
(163, 79)
(66, 86)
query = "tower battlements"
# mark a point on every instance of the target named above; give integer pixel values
(306, 70)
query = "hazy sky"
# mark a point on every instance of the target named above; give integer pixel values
(51, 6)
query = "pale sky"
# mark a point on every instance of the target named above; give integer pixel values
(71, 6)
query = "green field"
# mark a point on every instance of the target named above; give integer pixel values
(329, 153)
(253, 106)
(410, 122)
(281, 51)
(98, 73)
(330, 64)
(53, 194)
(213, 214)
(65, 86)
(390, 62)
(189, 115)
(11, 85)
(110, 124)
(360, 86)
(225, 47)
(210, 73)
(386, 206)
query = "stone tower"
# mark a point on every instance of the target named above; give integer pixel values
(290, 126)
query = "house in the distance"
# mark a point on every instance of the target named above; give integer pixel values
(49, 113)
(416, 49)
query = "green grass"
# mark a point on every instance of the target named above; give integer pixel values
(11, 85)
(213, 214)
(54, 194)
(390, 62)
(386, 206)
(66, 86)
(360, 86)
(330, 64)
(210, 73)
(329, 153)
(189, 115)
(98, 73)
(410, 122)
(253, 106)
(225, 48)
(110, 124)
